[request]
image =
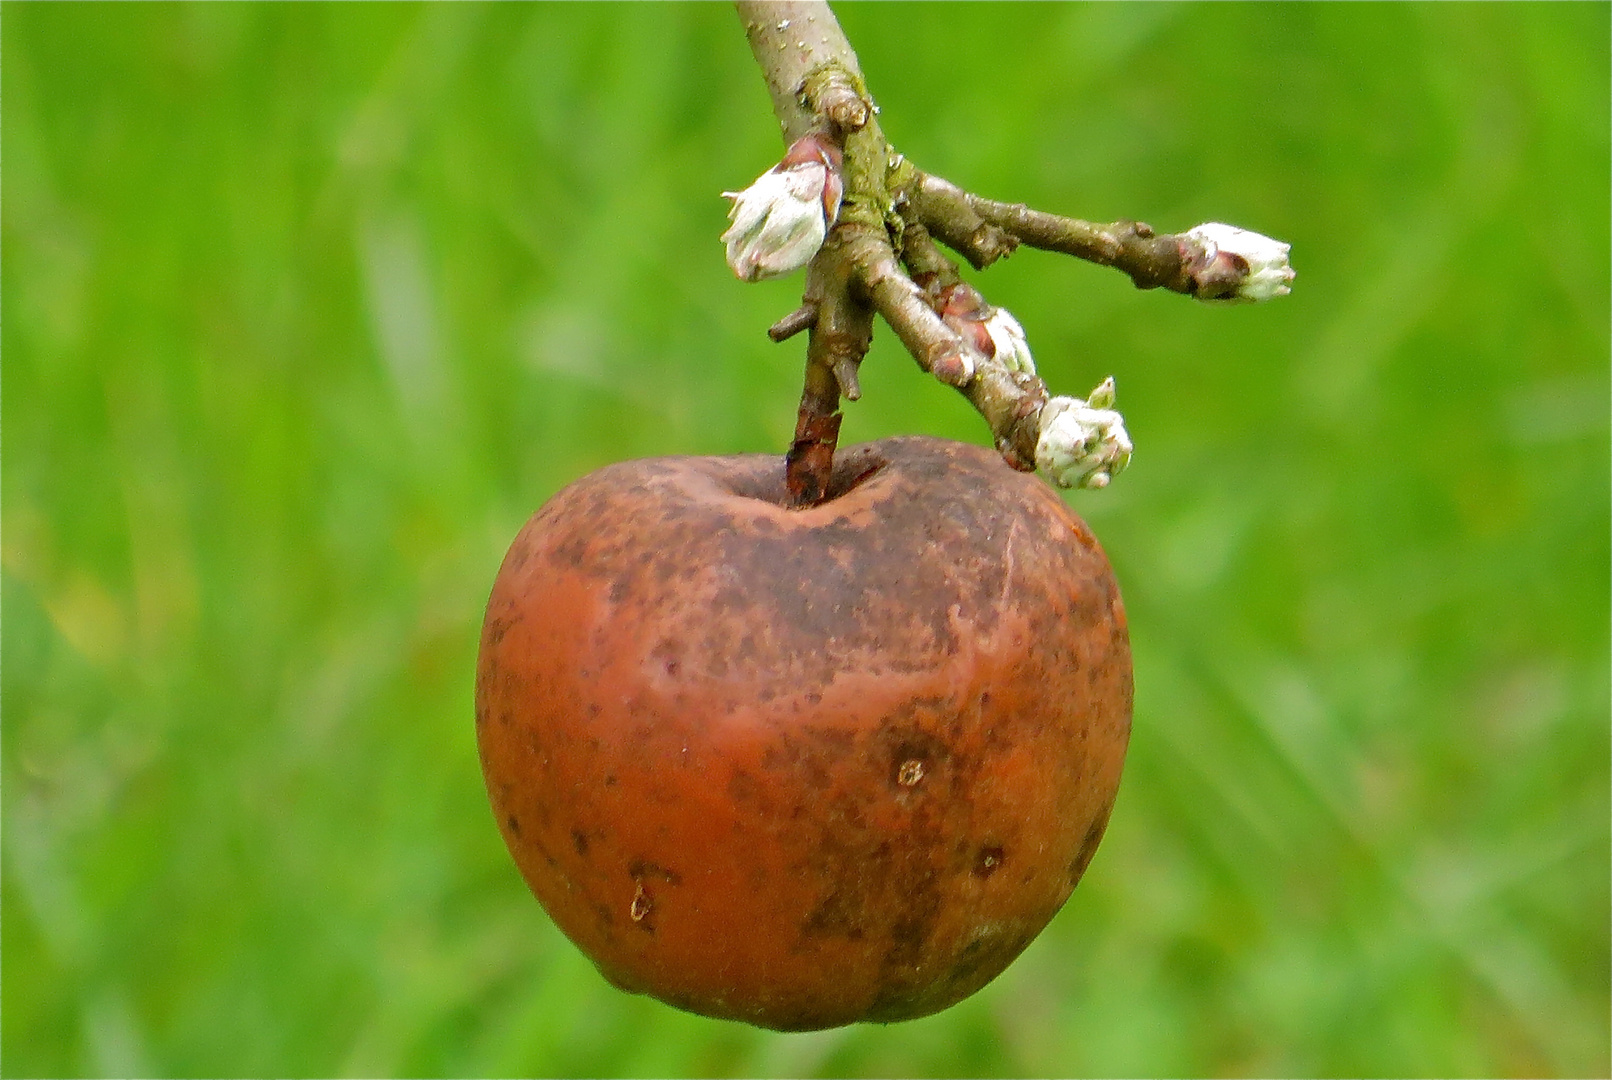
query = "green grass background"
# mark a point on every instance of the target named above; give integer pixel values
(306, 308)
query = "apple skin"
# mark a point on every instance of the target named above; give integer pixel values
(803, 768)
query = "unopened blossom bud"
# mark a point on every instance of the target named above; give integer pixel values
(779, 221)
(962, 308)
(990, 331)
(1007, 338)
(1083, 443)
(1234, 265)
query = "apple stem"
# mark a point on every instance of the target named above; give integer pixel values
(810, 461)
(841, 328)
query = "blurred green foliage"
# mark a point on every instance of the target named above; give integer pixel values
(307, 307)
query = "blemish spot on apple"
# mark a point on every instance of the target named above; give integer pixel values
(641, 906)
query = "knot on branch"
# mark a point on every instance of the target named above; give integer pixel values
(837, 96)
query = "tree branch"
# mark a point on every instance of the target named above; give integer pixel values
(878, 254)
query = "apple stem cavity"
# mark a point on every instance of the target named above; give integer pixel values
(879, 255)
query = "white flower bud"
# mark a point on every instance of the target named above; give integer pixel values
(1012, 349)
(779, 221)
(1237, 266)
(1083, 443)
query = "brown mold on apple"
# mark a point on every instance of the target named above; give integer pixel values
(803, 767)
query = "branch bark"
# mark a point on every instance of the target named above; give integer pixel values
(790, 40)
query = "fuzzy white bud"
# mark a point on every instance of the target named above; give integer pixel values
(1239, 266)
(1012, 348)
(1083, 443)
(779, 222)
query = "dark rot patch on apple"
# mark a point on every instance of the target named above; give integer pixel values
(805, 767)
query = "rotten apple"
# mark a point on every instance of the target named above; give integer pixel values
(804, 767)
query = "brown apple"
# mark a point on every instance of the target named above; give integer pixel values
(804, 767)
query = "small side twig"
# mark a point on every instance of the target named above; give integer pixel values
(802, 318)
